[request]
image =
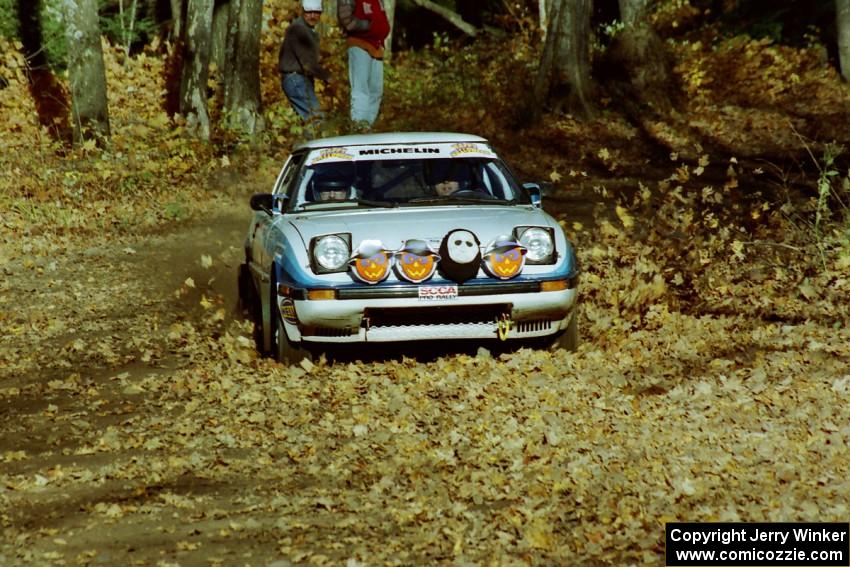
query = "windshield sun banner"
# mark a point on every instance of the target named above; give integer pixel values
(401, 151)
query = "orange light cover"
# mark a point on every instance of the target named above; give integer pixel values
(416, 268)
(319, 294)
(371, 262)
(557, 285)
(505, 260)
(373, 269)
(415, 262)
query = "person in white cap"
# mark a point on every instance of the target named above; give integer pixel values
(298, 61)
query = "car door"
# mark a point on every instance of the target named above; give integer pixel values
(262, 248)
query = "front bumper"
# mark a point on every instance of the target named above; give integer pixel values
(396, 313)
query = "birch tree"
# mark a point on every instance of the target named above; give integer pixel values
(842, 11)
(86, 72)
(543, 15)
(196, 59)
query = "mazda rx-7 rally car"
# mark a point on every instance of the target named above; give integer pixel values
(403, 237)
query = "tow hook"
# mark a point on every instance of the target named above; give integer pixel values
(503, 326)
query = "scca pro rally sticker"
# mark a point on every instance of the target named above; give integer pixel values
(437, 292)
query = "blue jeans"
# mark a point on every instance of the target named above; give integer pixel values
(366, 76)
(301, 93)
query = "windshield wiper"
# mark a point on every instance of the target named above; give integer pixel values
(371, 203)
(449, 200)
(363, 202)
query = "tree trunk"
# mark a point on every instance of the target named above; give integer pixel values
(842, 10)
(389, 8)
(220, 28)
(196, 60)
(177, 18)
(563, 78)
(636, 66)
(86, 72)
(242, 69)
(127, 21)
(329, 21)
(543, 15)
(51, 99)
(633, 11)
(639, 75)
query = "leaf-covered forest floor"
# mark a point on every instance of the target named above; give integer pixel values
(138, 426)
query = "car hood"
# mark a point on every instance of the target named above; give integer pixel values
(393, 226)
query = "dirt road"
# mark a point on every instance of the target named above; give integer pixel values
(138, 427)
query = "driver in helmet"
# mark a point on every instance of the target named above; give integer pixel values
(449, 177)
(331, 190)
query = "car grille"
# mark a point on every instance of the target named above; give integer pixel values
(533, 326)
(331, 332)
(435, 316)
(328, 332)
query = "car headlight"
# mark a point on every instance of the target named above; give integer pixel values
(540, 243)
(330, 253)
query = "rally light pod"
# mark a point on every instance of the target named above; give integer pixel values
(504, 259)
(415, 261)
(460, 256)
(371, 262)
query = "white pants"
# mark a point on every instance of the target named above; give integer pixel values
(366, 76)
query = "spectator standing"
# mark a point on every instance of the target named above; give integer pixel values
(366, 26)
(298, 61)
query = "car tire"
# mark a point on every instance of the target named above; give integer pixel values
(285, 351)
(249, 304)
(247, 293)
(568, 338)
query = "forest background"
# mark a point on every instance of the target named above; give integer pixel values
(696, 151)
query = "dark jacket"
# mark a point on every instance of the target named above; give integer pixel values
(299, 52)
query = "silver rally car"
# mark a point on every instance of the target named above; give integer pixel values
(402, 237)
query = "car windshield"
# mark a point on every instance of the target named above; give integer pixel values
(406, 182)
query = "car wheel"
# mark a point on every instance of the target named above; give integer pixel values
(285, 350)
(568, 338)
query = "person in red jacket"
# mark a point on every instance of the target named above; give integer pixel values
(366, 26)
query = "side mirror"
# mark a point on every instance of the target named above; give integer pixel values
(535, 193)
(262, 202)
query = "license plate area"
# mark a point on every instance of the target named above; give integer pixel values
(436, 315)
